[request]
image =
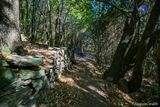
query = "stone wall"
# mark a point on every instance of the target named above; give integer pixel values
(61, 60)
(25, 80)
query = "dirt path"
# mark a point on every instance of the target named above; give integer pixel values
(80, 86)
(85, 78)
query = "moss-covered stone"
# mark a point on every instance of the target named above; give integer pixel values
(6, 77)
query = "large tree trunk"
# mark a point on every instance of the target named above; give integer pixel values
(158, 63)
(117, 69)
(133, 54)
(136, 80)
(9, 24)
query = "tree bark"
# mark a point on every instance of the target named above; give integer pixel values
(133, 54)
(158, 63)
(115, 72)
(9, 24)
(59, 24)
(136, 79)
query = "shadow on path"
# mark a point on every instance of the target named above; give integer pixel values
(86, 78)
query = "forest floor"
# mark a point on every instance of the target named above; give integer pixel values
(81, 86)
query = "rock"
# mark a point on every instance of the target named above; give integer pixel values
(6, 77)
(8, 96)
(23, 96)
(22, 60)
(23, 88)
(26, 74)
(25, 80)
(61, 61)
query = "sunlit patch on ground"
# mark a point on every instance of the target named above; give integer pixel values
(83, 83)
(69, 81)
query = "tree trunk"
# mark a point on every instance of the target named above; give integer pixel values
(135, 53)
(9, 24)
(115, 72)
(158, 63)
(33, 21)
(71, 49)
(59, 24)
(136, 80)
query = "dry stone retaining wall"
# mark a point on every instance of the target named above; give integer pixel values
(25, 80)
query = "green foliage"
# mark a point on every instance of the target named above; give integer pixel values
(23, 37)
(82, 13)
(6, 50)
